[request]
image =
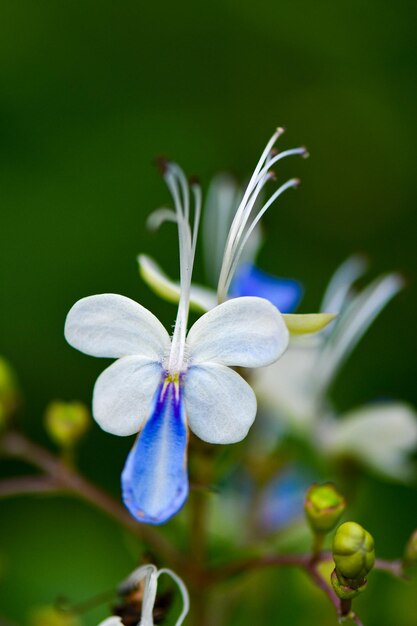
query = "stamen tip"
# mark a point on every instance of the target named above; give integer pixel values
(194, 181)
(296, 182)
(305, 153)
(280, 130)
(162, 164)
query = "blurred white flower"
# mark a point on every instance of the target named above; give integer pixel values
(295, 391)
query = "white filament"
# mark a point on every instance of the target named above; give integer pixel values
(360, 314)
(184, 593)
(337, 292)
(244, 222)
(245, 237)
(187, 236)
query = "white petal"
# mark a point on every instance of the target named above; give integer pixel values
(112, 621)
(220, 405)
(109, 325)
(247, 332)
(381, 436)
(354, 322)
(135, 578)
(337, 293)
(123, 394)
(287, 388)
(201, 298)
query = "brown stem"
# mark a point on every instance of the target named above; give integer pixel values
(391, 567)
(26, 485)
(302, 561)
(61, 478)
(321, 584)
(202, 474)
(345, 607)
(240, 566)
(318, 542)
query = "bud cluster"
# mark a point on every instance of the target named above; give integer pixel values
(353, 547)
(354, 557)
(324, 507)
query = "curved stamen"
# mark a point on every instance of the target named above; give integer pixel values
(294, 182)
(265, 157)
(244, 223)
(302, 151)
(183, 590)
(185, 191)
(159, 216)
(249, 207)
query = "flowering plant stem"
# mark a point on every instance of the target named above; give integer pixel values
(198, 573)
(58, 477)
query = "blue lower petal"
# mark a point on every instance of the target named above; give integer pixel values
(284, 293)
(154, 479)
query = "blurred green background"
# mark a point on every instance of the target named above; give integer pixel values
(90, 93)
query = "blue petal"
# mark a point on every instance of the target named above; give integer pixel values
(154, 479)
(284, 293)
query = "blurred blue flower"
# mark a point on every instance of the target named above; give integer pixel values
(284, 293)
(282, 499)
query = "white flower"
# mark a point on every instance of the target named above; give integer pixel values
(296, 389)
(381, 435)
(159, 385)
(148, 576)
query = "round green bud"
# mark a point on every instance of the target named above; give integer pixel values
(324, 507)
(353, 552)
(410, 554)
(9, 392)
(342, 588)
(66, 422)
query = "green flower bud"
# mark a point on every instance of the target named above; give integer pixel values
(324, 507)
(9, 392)
(410, 554)
(353, 553)
(66, 422)
(343, 590)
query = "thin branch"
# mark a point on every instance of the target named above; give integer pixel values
(321, 584)
(303, 561)
(391, 567)
(64, 479)
(27, 485)
(224, 572)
